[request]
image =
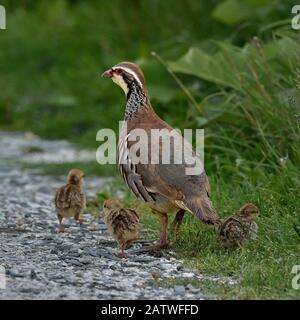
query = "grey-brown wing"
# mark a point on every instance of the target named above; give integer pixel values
(129, 171)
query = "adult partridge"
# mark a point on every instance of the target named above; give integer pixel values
(163, 186)
(239, 228)
(70, 199)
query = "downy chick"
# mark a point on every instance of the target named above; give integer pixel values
(70, 199)
(123, 224)
(239, 228)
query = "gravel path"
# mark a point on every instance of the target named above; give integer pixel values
(80, 264)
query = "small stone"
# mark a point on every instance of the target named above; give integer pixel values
(93, 253)
(15, 274)
(33, 274)
(92, 227)
(44, 189)
(79, 274)
(84, 260)
(179, 267)
(63, 247)
(192, 289)
(188, 275)
(142, 259)
(179, 289)
(30, 290)
(48, 238)
(75, 262)
(100, 226)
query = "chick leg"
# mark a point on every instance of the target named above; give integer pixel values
(79, 219)
(175, 226)
(121, 253)
(61, 227)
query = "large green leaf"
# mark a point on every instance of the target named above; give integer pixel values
(235, 11)
(231, 12)
(222, 68)
(231, 65)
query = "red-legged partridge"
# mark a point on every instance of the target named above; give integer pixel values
(163, 187)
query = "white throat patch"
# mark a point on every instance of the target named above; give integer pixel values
(120, 82)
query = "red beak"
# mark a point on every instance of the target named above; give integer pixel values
(108, 73)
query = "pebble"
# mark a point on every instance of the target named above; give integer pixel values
(33, 274)
(192, 289)
(179, 289)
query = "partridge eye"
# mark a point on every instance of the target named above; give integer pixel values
(119, 71)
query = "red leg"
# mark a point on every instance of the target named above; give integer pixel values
(61, 227)
(163, 243)
(177, 222)
(163, 239)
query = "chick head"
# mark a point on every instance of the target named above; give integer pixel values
(75, 176)
(111, 204)
(249, 211)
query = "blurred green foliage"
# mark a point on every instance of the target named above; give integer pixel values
(53, 52)
(254, 116)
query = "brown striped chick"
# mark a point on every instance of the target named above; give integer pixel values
(123, 224)
(239, 228)
(70, 199)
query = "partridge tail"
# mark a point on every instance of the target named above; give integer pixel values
(203, 209)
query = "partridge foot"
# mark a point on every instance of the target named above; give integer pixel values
(81, 220)
(61, 228)
(155, 247)
(121, 255)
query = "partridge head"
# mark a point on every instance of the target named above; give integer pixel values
(125, 75)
